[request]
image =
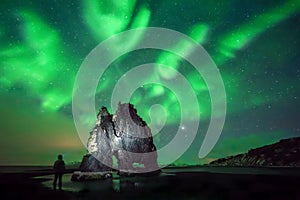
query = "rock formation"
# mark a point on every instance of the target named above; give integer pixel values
(286, 152)
(124, 135)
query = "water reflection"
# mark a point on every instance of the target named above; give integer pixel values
(116, 184)
(218, 183)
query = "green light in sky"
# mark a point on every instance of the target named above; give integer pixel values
(244, 34)
(1, 32)
(38, 62)
(142, 18)
(198, 33)
(106, 18)
(157, 90)
(144, 97)
(41, 59)
(53, 100)
(197, 83)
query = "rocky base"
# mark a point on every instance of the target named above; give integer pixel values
(90, 164)
(89, 176)
(135, 174)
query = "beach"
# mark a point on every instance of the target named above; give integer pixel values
(172, 183)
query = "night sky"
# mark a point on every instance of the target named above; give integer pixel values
(254, 43)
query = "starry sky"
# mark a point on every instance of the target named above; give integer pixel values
(255, 45)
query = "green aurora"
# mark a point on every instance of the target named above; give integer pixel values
(255, 46)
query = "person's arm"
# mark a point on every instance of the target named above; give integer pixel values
(64, 166)
(55, 166)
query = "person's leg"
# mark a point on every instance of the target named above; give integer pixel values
(55, 180)
(59, 181)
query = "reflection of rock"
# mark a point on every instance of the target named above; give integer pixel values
(124, 135)
(283, 153)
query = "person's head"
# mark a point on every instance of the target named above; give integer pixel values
(60, 157)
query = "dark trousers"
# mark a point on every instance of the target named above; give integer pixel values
(59, 177)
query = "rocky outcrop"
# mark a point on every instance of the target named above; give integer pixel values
(124, 135)
(283, 153)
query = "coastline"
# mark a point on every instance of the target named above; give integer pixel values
(175, 183)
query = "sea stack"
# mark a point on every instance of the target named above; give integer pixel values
(123, 135)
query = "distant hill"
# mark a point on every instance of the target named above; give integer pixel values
(286, 152)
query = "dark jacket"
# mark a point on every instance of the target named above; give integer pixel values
(59, 166)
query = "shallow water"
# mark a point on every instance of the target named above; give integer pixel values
(191, 183)
(113, 184)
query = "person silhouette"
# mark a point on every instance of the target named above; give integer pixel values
(59, 169)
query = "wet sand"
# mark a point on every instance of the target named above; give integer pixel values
(174, 183)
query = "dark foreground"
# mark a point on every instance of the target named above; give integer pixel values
(175, 183)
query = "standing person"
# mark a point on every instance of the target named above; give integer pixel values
(59, 169)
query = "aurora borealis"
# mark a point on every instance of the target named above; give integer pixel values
(255, 45)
